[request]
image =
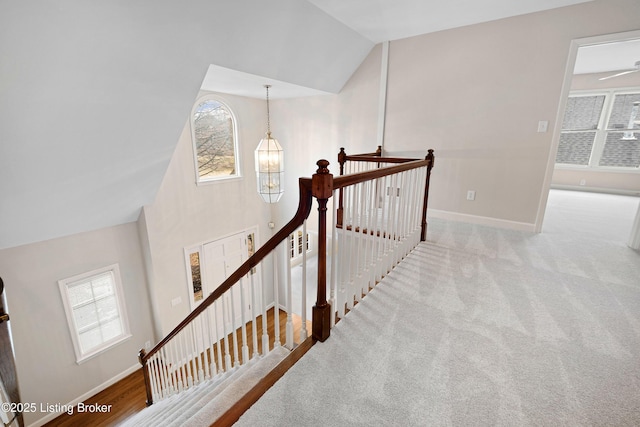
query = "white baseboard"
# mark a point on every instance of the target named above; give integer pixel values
(42, 421)
(481, 220)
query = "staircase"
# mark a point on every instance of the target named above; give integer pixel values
(204, 403)
(212, 366)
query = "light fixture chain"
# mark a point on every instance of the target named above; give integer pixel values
(268, 114)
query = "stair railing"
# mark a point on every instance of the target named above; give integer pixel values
(380, 216)
(205, 344)
(384, 217)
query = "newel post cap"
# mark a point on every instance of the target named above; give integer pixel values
(322, 181)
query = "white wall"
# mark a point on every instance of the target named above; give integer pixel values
(474, 94)
(184, 214)
(314, 128)
(45, 359)
(96, 75)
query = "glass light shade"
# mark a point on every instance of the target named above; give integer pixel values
(270, 169)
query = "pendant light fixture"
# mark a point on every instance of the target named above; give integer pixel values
(270, 164)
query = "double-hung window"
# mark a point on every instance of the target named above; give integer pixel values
(601, 130)
(95, 309)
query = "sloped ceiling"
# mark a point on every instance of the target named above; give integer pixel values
(93, 95)
(382, 20)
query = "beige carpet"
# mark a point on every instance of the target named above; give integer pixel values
(481, 326)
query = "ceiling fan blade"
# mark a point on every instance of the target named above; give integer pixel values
(619, 74)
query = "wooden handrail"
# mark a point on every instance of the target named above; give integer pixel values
(304, 208)
(377, 159)
(356, 178)
(321, 186)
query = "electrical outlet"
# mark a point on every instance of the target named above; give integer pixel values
(471, 195)
(176, 301)
(583, 182)
(147, 345)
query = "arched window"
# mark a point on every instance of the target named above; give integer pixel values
(213, 130)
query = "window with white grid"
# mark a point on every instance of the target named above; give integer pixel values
(95, 309)
(600, 130)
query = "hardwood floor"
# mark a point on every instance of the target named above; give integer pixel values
(127, 397)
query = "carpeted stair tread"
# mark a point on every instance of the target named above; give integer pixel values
(205, 402)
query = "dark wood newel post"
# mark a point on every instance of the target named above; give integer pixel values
(145, 373)
(430, 157)
(342, 159)
(322, 189)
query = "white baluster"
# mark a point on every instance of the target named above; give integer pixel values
(236, 357)
(184, 350)
(167, 386)
(219, 322)
(205, 336)
(334, 263)
(362, 287)
(243, 315)
(303, 305)
(213, 338)
(352, 243)
(254, 314)
(227, 356)
(178, 368)
(289, 302)
(195, 355)
(276, 301)
(265, 334)
(154, 378)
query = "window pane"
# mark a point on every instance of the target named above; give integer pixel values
(80, 293)
(90, 339)
(583, 112)
(214, 140)
(111, 329)
(85, 316)
(102, 285)
(623, 112)
(575, 148)
(107, 308)
(196, 278)
(620, 151)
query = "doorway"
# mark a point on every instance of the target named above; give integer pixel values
(209, 264)
(611, 69)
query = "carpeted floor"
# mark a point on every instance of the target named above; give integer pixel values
(481, 326)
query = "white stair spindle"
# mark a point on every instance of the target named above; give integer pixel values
(219, 326)
(289, 302)
(211, 318)
(254, 314)
(178, 369)
(195, 345)
(225, 317)
(352, 243)
(206, 336)
(265, 335)
(276, 301)
(236, 354)
(243, 317)
(334, 261)
(303, 303)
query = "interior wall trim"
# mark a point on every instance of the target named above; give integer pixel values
(481, 220)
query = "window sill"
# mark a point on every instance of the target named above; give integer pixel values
(599, 169)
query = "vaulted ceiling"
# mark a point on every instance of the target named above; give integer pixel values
(94, 95)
